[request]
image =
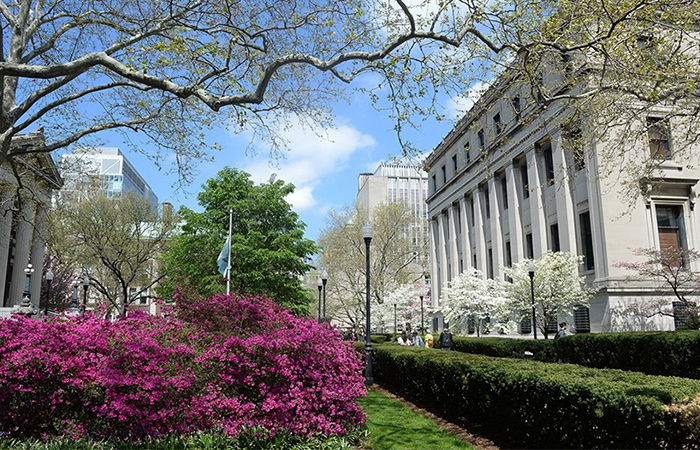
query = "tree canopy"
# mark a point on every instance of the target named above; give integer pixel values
(269, 253)
(165, 68)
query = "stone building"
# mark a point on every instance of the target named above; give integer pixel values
(514, 179)
(23, 213)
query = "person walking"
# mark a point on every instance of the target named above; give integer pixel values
(445, 340)
(560, 334)
(562, 331)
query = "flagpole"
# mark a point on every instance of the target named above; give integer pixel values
(228, 267)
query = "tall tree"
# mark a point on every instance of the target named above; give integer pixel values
(269, 253)
(164, 68)
(115, 241)
(393, 260)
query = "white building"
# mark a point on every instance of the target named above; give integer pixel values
(108, 166)
(508, 183)
(399, 183)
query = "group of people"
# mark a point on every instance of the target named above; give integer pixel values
(444, 342)
(414, 340)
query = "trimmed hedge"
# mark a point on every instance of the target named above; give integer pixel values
(674, 353)
(542, 349)
(546, 405)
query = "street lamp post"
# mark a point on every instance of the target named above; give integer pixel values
(422, 324)
(367, 234)
(531, 272)
(74, 309)
(324, 280)
(25, 306)
(320, 287)
(49, 280)
(86, 283)
(394, 321)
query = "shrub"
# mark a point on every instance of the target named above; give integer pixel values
(546, 405)
(226, 362)
(659, 353)
(541, 349)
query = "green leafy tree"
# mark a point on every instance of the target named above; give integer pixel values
(115, 241)
(394, 261)
(269, 253)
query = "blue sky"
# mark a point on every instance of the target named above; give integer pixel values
(323, 164)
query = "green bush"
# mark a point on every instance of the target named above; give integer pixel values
(199, 441)
(378, 338)
(546, 405)
(542, 349)
(674, 353)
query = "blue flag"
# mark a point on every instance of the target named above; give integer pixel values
(222, 260)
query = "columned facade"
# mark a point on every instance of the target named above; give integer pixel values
(23, 222)
(517, 187)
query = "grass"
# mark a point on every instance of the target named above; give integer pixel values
(392, 426)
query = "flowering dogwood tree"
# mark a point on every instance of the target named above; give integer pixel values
(558, 287)
(671, 267)
(406, 297)
(471, 295)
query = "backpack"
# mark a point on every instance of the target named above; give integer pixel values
(446, 340)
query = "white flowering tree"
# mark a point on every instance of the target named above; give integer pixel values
(406, 297)
(471, 296)
(558, 287)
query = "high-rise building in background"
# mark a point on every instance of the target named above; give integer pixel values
(398, 183)
(103, 168)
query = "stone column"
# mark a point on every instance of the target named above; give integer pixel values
(38, 251)
(538, 219)
(434, 278)
(454, 241)
(7, 196)
(496, 233)
(479, 239)
(564, 200)
(466, 242)
(514, 223)
(444, 269)
(23, 237)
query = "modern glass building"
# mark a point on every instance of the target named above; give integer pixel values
(104, 168)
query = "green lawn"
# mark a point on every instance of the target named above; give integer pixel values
(392, 426)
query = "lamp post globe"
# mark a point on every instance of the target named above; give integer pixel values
(531, 272)
(367, 235)
(324, 280)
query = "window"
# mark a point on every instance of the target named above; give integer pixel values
(497, 123)
(659, 138)
(454, 163)
(509, 257)
(681, 315)
(489, 265)
(524, 180)
(444, 175)
(554, 235)
(480, 134)
(504, 190)
(467, 156)
(539, 86)
(529, 247)
(669, 221)
(516, 107)
(143, 299)
(471, 206)
(474, 261)
(552, 326)
(434, 184)
(573, 141)
(487, 203)
(525, 323)
(587, 240)
(549, 164)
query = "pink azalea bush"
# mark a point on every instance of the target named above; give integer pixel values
(227, 363)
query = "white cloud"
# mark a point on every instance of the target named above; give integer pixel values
(314, 154)
(458, 106)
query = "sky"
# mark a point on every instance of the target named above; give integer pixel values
(323, 164)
